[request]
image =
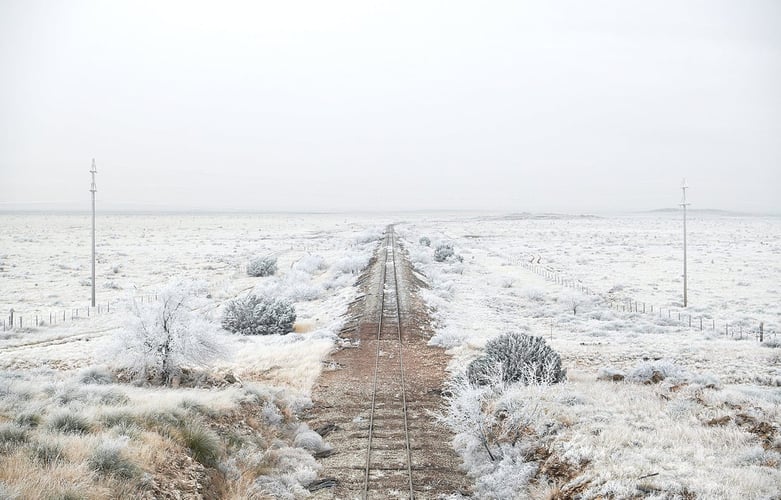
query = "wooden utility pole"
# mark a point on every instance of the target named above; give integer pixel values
(685, 276)
(93, 190)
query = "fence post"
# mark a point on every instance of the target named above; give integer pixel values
(714, 325)
(20, 321)
(700, 323)
(11, 320)
(690, 321)
(761, 331)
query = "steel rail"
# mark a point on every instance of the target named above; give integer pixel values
(376, 371)
(401, 365)
(390, 242)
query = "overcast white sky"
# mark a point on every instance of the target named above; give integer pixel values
(328, 105)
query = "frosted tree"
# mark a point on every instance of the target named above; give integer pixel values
(259, 315)
(160, 338)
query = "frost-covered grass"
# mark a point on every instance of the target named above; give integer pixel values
(72, 422)
(651, 408)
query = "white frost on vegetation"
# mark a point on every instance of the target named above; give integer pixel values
(676, 411)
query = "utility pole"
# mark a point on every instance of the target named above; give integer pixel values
(685, 277)
(93, 190)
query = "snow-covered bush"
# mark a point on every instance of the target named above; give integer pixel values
(443, 252)
(310, 440)
(96, 375)
(653, 372)
(369, 235)
(351, 264)
(425, 241)
(259, 315)
(298, 286)
(517, 357)
(289, 471)
(311, 264)
(262, 266)
(161, 337)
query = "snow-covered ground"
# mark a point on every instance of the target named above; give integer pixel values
(243, 405)
(709, 429)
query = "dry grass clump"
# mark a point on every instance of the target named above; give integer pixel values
(11, 437)
(70, 423)
(96, 375)
(47, 453)
(108, 459)
(28, 419)
(204, 444)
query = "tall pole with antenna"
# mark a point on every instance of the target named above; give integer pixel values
(93, 190)
(685, 276)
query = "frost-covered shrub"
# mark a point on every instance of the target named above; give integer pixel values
(534, 294)
(369, 235)
(447, 339)
(96, 375)
(259, 315)
(517, 357)
(262, 266)
(425, 241)
(290, 470)
(309, 440)
(653, 372)
(271, 414)
(162, 337)
(298, 286)
(443, 252)
(350, 264)
(311, 264)
(774, 342)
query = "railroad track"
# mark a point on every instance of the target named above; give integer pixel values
(378, 404)
(390, 390)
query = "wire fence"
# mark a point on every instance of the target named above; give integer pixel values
(17, 319)
(746, 327)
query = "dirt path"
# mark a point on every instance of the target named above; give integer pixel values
(343, 398)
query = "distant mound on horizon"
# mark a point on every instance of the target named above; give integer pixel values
(545, 215)
(705, 211)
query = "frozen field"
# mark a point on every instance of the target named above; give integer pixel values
(59, 393)
(694, 414)
(709, 429)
